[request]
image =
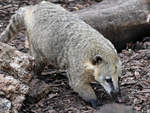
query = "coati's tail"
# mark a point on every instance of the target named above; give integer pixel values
(16, 21)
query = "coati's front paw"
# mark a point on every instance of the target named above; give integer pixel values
(95, 103)
(117, 97)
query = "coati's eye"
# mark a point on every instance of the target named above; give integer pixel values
(108, 80)
(96, 60)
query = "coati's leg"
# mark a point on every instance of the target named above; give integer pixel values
(38, 88)
(39, 64)
(39, 67)
(85, 90)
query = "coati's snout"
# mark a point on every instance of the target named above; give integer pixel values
(111, 86)
(115, 92)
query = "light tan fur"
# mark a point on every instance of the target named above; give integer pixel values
(59, 37)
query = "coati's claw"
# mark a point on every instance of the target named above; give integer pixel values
(99, 103)
(117, 97)
(117, 100)
(93, 103)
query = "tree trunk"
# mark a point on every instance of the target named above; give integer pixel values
(120, 21)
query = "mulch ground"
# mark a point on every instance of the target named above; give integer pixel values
(135, 78)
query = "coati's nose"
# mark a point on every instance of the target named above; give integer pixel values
(116, 95)
(115, 92)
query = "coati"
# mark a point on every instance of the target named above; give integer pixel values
(59, 37)
(116, 108)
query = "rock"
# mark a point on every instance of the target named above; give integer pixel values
(5, 105)
(116, 108)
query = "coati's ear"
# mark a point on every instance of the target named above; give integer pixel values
(96, 59)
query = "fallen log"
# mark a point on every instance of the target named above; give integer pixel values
(14, 92)
(16, 73)
(15, 76)
(120, 21)
(16, 63)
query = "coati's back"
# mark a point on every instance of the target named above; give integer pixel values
(49, 24)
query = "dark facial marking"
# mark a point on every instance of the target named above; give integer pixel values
(97, 59)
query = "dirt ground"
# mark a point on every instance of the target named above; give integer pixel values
(135, 78)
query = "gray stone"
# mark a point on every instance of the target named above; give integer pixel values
(54, 1)
(5, 105)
